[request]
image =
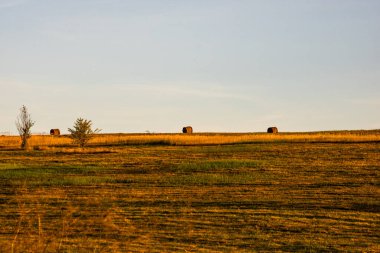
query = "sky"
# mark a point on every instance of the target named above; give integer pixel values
(133, 66)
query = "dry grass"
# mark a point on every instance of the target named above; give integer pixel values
(44, 141)
(262, 196)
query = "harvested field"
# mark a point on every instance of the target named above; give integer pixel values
(287, 195)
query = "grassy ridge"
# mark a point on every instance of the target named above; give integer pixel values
(46, 141)
(267, 196)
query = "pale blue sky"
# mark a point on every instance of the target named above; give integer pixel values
(218, 65)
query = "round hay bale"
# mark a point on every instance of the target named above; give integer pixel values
(187, 130)
(272, 130)
(55, 132)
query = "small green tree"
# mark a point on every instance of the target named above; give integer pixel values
(24, 123)
(82, 132)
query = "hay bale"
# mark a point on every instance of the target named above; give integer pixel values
(187, 130)
(55, 132)
(272, 130)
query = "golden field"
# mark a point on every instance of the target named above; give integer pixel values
(209, 192)
(197, 139)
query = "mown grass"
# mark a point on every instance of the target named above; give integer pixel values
(299, 196)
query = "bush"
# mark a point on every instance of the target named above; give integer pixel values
(82, 132)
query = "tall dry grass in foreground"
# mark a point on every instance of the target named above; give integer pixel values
(196, 139)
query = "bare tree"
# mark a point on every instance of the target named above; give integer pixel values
(82, 132)
(24, 123)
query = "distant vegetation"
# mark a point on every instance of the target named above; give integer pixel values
(45, 141)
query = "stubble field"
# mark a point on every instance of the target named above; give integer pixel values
(316, 192)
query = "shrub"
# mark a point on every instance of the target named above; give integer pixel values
(82, 132)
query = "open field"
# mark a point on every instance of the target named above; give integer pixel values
(196, 139)
(292, 192)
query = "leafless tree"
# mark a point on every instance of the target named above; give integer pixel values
(24, 123)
